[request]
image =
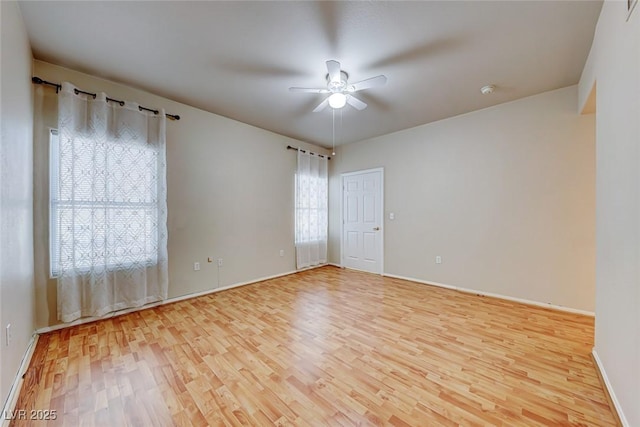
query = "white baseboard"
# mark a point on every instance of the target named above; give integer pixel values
(607, 384)
(492, 295)
(311, 267)
(163, 302)
(14, 391)
(334, 264)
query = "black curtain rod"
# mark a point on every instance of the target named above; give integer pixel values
(305, 151)
(39, 81)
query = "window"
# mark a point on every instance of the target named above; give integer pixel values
(311, 208)
(110, 220)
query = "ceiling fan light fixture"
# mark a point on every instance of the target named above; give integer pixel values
(337, 100)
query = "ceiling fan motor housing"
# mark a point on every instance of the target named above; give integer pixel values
(340, 85)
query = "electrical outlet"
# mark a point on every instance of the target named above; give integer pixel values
(438, 259)
(219, 262)
(281, 252)
(8, 335)
(196, 266)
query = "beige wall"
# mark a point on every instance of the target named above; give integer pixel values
(16, 197)
(230, 193)
(504, 195)
(614, 64)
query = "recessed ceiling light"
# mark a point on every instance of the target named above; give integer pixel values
(486, 90)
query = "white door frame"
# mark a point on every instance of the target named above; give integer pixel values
(342, 176)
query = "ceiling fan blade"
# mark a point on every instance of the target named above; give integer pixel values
(355, 102)
(368, 83)
(308, 90)
(322, 106)
(334, 70)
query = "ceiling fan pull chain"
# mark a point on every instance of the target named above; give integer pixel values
(333, 115)
(341, 128)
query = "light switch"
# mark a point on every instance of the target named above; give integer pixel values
(392, 216)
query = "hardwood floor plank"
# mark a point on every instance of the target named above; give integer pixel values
(322, 347)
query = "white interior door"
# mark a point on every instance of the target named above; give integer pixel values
(362, 234)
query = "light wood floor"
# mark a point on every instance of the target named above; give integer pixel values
(323, 347)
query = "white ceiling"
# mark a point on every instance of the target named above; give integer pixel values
(238, 59)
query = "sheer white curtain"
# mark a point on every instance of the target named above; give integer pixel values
(311, 210)
(108, 206)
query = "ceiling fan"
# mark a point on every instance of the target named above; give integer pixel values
(340, 89)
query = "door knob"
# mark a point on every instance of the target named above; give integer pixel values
(376, 228)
